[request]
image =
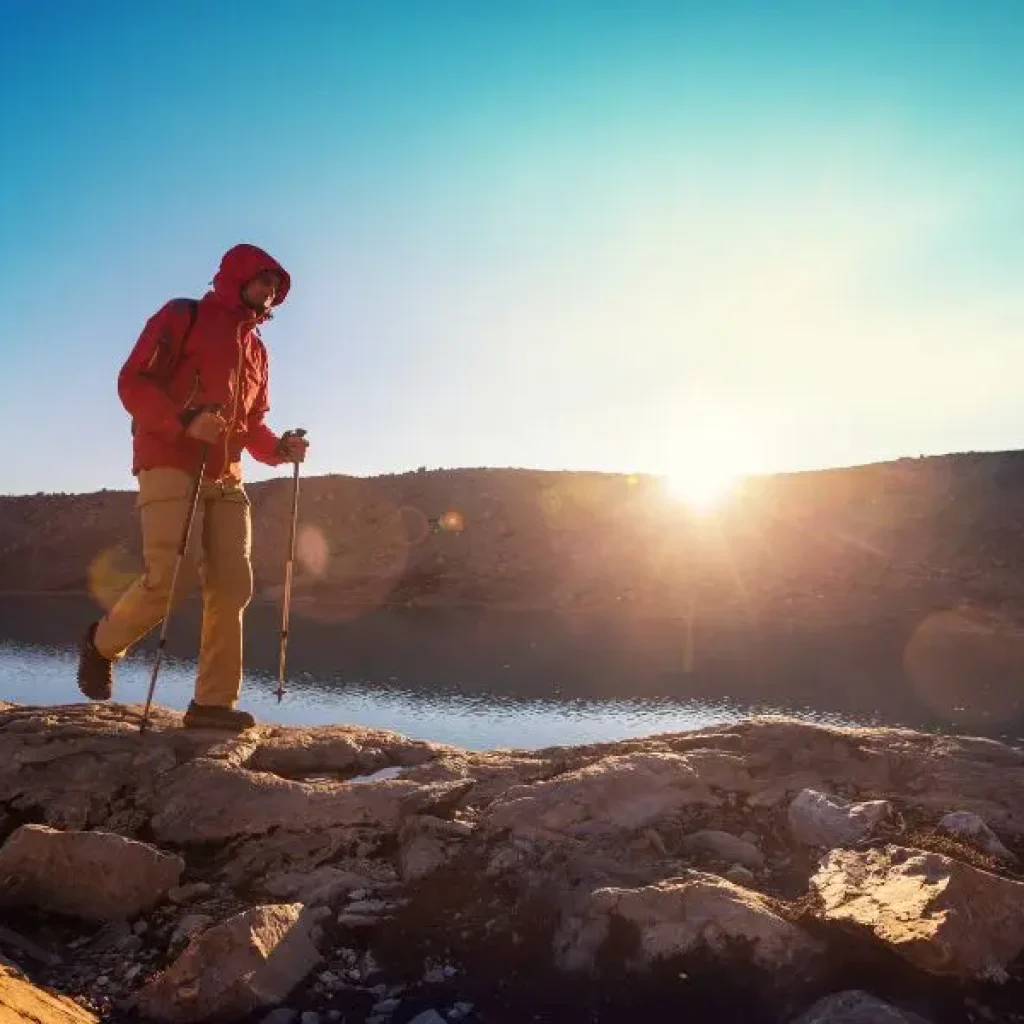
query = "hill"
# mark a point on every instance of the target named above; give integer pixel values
(911, 535)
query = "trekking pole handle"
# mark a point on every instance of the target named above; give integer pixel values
(297, 432)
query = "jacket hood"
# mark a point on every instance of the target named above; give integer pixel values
(241, 264)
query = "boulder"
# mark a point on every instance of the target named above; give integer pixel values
(971, 827)
(250, 962)
(96, 876)
(940, 914)
(681, 915)
(725, 847)
(856, 1007)
(817, 819)
(21, 1001)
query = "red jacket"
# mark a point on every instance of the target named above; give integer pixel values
(224, 362)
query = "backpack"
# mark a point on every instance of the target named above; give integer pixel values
(168, 356)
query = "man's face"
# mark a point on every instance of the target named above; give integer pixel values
(260, 291)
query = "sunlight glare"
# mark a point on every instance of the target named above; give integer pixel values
(705, 468)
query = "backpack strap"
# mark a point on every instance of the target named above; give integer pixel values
(169, 351)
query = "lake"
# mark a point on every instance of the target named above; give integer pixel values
(39, 675)
(486, 678)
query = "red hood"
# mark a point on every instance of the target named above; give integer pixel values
(239, 265)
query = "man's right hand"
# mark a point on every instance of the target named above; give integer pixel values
(207, 427)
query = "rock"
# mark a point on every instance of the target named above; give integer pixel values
(855, 1007)
(21, 1001)
(140, 928)
(616, 793)
(816, 819)
(683, 914)
(941, 915)
(188, 927)
(282, 1015)
(208, 800)
(320, 886)
(187, 893)
(386, 1006)
(739, 875)
(428, 1017)
(251, 961)
(965, 825)
(725, 847)
(44, 868)
(427, 843)
(310, 1017)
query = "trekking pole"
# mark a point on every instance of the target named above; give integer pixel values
(288, 571)
(182, 548)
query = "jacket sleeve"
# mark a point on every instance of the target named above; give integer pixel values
(139, 384)
(262, 443)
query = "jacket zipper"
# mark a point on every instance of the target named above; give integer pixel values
(234, 408)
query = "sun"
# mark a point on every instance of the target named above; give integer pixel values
(703, 485)
(710, 456)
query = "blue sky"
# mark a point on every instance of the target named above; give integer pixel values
(626, 236)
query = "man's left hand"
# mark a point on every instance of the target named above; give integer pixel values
(293, 447)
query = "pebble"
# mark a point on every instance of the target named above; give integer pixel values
(359, 894)
(386, 1006)
(102, 981)
(282, 1015)
(428, 1017)
(328, 978)
(310, 1017)
(130, 944)
(140, 928)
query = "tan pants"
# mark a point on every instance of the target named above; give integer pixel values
(218, 555)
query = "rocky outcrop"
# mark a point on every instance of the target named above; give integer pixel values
(355, 871)
(680, 915)
(942, 915)
(21, 1002)
(97, 876)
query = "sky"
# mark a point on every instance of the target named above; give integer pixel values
(642, 237)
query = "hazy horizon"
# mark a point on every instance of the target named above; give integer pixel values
(662, 238)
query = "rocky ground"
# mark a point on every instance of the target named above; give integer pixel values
(770, 871)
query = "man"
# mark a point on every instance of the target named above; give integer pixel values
(197, 377)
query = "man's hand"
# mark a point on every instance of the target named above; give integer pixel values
(293, 446)
(207, 426)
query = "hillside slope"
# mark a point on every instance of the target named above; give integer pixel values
(900, 536)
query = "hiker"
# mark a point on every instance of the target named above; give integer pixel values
(197, 377)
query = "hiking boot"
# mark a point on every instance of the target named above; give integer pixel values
(200, 716)
(95, 673)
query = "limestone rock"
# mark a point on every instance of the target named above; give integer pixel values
(965, 825)
(943, 916)
(820, 820)
(251, 961)
(21, 1001)
(426, 843)
(97, 876)
(614, 793)
(725, 847)
(321, 886)
(683, 914)
(856, 1007)
(208, 800)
